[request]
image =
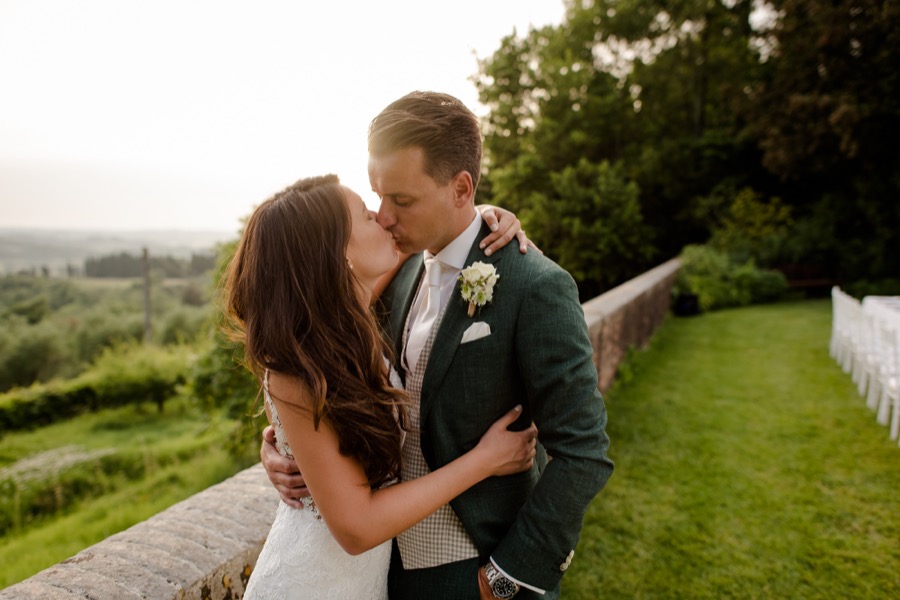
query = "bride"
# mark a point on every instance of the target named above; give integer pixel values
(298, 292)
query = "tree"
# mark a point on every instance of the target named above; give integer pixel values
(592, 224)
(827, 116)
(700, 99)
(646, 85)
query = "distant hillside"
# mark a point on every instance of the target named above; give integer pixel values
(56, 249)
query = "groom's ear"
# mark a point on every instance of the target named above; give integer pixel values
(463, 189)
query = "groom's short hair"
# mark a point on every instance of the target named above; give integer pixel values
(446, 130)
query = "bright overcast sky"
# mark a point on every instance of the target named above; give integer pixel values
(126, 114)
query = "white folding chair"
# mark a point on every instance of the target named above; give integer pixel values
(846, 314)
(889, 376)
(884, 372)
(857, 340)
(861, 354)
(835, 345)
(869, 360)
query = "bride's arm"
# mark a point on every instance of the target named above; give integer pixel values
(360, 518)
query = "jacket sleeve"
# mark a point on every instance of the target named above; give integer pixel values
(555, 359)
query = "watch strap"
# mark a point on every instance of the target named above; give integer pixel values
(501, 585)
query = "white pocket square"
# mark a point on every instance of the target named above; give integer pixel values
(476, 331)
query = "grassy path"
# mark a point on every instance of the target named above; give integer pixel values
(747, 466)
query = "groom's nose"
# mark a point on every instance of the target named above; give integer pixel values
(385, 216)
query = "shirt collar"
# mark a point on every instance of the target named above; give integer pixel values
(456, 252)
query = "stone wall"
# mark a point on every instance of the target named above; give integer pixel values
(206, 546)
(627, 316)
(202, 548)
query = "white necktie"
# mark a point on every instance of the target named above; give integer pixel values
(428, 313)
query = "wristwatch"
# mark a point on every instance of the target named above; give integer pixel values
(500, 585)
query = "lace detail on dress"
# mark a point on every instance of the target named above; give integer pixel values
(281, 443)
(302, 560)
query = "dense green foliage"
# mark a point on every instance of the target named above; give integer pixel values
(107, 464)
(60, 332)
(701, 113)
(747, 466)
(56, 328)
(718, 281)
(600, 233)
(219, 379)
(826, 115)
(121, 375)
(125, 264)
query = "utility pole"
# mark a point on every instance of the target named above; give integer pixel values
(148, 326)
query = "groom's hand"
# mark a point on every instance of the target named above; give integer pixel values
(282, 471)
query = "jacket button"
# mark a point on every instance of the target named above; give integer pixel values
(568, 561)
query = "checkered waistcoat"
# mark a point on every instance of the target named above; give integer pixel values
(441, 537)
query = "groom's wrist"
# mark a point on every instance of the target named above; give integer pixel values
(484, 588)
(498, 584)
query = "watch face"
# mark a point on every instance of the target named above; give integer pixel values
(503, 588)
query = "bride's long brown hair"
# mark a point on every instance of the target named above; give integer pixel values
(291, 299)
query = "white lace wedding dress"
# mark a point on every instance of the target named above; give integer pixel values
(301, 559)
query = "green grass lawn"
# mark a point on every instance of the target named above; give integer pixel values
(747, 466)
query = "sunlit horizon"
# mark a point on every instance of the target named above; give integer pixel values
(184, 116)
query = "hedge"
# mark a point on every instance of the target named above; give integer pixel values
(122, 375)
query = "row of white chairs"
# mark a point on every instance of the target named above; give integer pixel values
(865, 342)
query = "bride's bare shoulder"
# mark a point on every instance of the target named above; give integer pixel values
(290, 389)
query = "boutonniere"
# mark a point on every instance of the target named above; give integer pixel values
(478, 280)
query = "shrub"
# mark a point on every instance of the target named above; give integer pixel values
(30, 353)
(105, 327)
(718, 281)
(194, 295)
(34, 309)
(219, 379)
(753, 229)
(139, 373)
(183, 324)
(122, 375)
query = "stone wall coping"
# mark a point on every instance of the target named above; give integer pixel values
(615, 299)
(201, 548)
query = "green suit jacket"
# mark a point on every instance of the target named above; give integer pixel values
(539, 355)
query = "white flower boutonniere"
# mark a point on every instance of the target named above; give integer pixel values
(478, 280)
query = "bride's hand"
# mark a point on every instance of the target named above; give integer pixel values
(507, 452)
(504, 227)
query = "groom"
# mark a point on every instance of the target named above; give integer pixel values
(466, 363)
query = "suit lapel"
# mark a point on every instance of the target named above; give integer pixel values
(451, 330)
(404, 291)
